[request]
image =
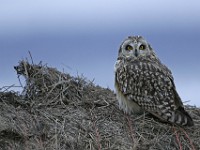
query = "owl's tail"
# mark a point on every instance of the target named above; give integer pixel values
(181, 117)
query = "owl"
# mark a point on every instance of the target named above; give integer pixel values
(144, 84)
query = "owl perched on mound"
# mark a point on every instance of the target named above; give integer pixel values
(143, 83)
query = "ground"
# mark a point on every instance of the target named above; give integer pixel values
(58, 111)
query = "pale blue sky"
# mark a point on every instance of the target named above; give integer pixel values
(84, 36)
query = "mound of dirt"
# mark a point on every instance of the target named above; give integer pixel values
(58, 111)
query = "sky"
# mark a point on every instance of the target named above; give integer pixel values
(83, 37)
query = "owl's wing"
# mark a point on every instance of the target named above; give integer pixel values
(179, 106)
(151, 86)
(177, 100)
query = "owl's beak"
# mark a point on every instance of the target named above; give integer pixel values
(136, 53)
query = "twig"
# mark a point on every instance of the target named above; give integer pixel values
(8, 87)
(191, 143)
(18, 76)
(96, 132)
(177, 138)
(31, 57)
(131, 129)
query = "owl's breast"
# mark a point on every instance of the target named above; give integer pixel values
(140, 78)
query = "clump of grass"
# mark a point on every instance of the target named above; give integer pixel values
(58, 111)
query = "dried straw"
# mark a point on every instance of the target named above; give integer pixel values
(58, 111)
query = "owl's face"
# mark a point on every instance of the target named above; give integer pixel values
(134, 47)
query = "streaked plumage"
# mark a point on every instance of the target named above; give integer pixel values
(143, 83)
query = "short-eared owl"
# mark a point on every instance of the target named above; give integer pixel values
(143, 83)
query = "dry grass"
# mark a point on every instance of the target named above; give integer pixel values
(58, 111)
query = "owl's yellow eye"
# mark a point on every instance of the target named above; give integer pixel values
(129, 47)
(142, 47)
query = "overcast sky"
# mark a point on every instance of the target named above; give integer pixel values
(83, 37)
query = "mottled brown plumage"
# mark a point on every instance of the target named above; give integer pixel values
(143, 83)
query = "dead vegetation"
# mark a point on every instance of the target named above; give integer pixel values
(58, 111)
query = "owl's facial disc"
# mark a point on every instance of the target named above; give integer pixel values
(135, 48)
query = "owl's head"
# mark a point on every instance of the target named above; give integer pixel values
(135, 47)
